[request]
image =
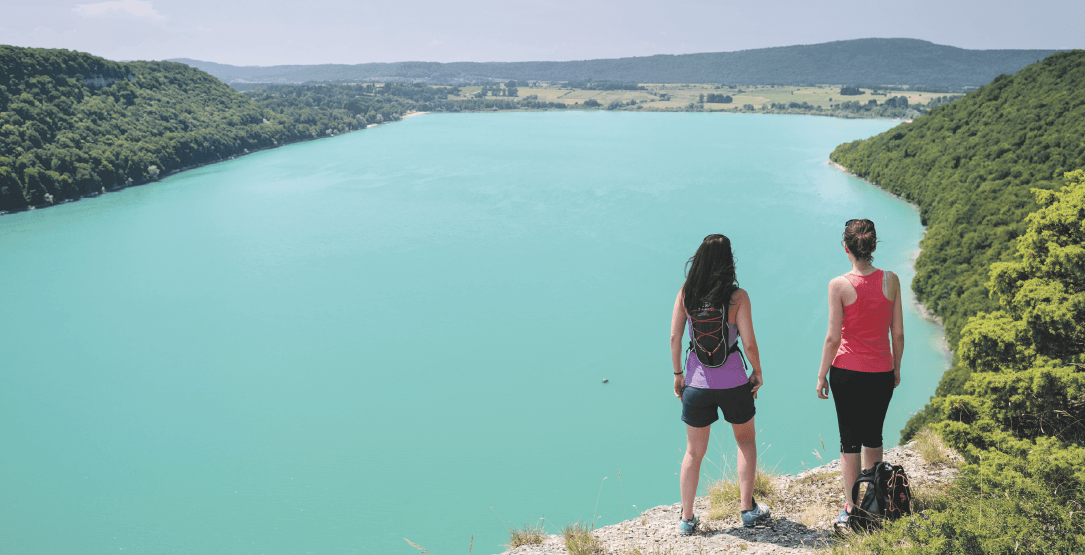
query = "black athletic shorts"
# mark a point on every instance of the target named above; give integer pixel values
(861, 399)
(699, 406)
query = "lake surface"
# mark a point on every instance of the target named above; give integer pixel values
(403, 332)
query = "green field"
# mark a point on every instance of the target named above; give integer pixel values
(679, 96)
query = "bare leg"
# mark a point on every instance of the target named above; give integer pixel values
(849, 471)
(747, 462)
(696, 445)
(871, 456)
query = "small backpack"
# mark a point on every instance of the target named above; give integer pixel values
(888, 496)
(710, 337)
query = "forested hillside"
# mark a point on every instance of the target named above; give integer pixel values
(970, 166)
(74, 125)
(998, 181)
(899, 62)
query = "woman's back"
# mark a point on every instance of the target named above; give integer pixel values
(732, 372)
(864, 341)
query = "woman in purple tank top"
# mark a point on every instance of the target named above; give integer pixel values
(717, 312)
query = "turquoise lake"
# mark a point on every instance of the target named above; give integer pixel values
(403, 332)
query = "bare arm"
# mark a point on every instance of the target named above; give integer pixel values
(744, 321)
(896, 328)
(832, 338)
(678, 325)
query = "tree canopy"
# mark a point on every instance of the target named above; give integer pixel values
(73, 125)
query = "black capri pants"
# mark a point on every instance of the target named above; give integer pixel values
(862, 399)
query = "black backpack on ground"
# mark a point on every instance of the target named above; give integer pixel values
(887, 497)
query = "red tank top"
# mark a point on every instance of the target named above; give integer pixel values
(864, 338)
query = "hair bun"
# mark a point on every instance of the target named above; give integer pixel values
(861, 239)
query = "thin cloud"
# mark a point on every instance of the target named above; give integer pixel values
(137, 8)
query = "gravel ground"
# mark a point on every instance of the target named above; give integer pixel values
(803, 510)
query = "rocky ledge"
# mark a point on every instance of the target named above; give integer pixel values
(803, 509)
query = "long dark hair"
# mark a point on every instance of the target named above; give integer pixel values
(710, 274)
(861, 239)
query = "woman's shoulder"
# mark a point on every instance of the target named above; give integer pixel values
(840, 287)
(739, 295)
(889, 276)
(839, 281)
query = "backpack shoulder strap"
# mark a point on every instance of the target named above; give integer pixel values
(865, 477)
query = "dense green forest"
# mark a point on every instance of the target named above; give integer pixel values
(899, 62)
(74, 125)
(998, 181)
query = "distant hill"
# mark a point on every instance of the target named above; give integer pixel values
(907, 62)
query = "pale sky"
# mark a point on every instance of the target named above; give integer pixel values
(269, 32)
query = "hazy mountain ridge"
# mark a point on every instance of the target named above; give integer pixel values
(862, 61)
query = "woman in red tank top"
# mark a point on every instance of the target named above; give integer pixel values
(861, 359)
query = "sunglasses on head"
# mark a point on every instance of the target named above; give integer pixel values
(849, 222)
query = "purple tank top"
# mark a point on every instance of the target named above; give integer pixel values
(729, 374)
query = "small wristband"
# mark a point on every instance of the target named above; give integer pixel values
(678, 373)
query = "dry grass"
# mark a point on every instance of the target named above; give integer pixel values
(819, 479)
(931, 447)
(426, 551)
(723, 495)
(814, 515)
(580, 541)
(528, 535)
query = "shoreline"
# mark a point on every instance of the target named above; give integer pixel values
(401, 118)
(93, 194)
(164, 175)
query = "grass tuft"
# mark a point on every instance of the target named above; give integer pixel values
(580, 541)
(528, 535)
(723, 495)
(931, 447)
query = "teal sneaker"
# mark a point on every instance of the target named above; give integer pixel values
(686, 527)
(842, 518)
(757, 515)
